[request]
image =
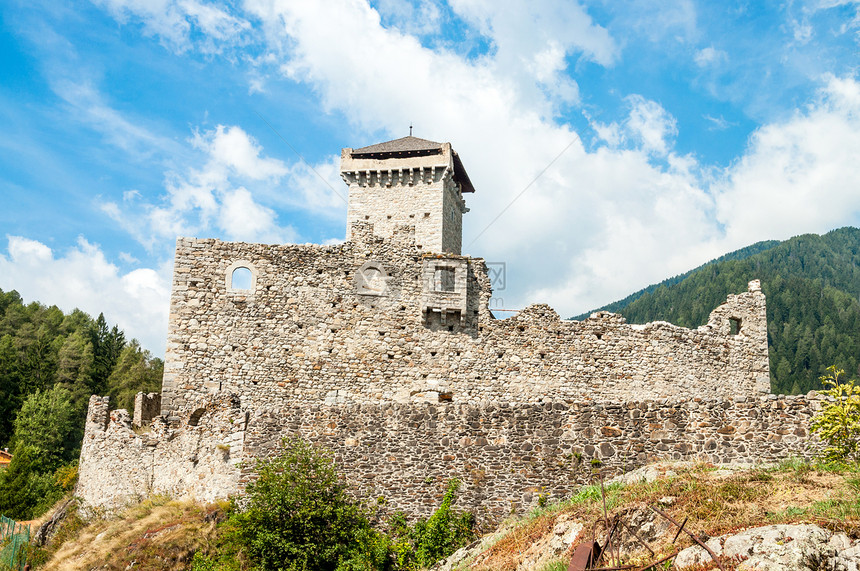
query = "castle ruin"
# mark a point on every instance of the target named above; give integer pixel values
(384, 350)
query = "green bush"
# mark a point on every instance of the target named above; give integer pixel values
(838, 421)
(298, 514)
(438, 536)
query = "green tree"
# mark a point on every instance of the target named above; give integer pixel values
(27, 489)
(10, 388)
(75, 362)
(838, 421)
(107, 346)
(135, 371)
(299, 515)
(48, 425)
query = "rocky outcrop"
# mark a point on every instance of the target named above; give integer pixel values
(803, 547)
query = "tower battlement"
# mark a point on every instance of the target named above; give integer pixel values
(412, 182)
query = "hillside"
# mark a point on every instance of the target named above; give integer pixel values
(714, 500)
(812, 284)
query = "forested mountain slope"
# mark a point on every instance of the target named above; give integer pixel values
(50, 364)
(812, 284)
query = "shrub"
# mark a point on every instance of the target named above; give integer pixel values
(299, 515)
(434, 538)
(838, 421)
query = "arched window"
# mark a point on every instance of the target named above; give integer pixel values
(242, 278)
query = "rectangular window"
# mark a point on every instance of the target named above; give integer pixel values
(444, 279)
(734, 326)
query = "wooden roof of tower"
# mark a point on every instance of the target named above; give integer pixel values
(414, 147)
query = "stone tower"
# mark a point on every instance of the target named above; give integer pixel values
(408, 181)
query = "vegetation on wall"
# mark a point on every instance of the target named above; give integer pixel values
(50, 365)
(812, 284)
(298, 516)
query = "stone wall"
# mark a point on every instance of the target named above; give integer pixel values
(366, 322)
(146, 407)
(120, 464)
(505, 455)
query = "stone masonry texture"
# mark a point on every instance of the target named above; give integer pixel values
(383, 349)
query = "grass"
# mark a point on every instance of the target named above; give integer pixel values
(557, 565)
(155, 534)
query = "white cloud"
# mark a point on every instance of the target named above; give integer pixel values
(241, 218)
(233, 148)
(173, 21)
(416, 19)
(718, 123)
(319, 188)
(710, 56)
(651, 125)
(799, 175)
(550, 21)
(83, 278)
(224, 195)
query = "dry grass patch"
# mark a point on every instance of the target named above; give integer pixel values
(156, 534)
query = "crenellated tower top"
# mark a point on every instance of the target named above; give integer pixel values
(412, 182)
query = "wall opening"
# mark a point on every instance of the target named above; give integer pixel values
(734, 325)
(444, 279)
(194, 419)
(241, 278)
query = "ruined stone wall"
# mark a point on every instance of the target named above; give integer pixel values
(505, 455)
(120, 464)
(361, 323)
(146, 407)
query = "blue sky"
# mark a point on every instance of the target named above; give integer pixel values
(676, 132)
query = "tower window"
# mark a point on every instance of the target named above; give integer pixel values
(734, 326)
(241, 278)
(444, 279)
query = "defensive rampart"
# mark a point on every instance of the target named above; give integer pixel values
(505, 455)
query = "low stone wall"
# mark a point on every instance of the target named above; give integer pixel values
(506, 456)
